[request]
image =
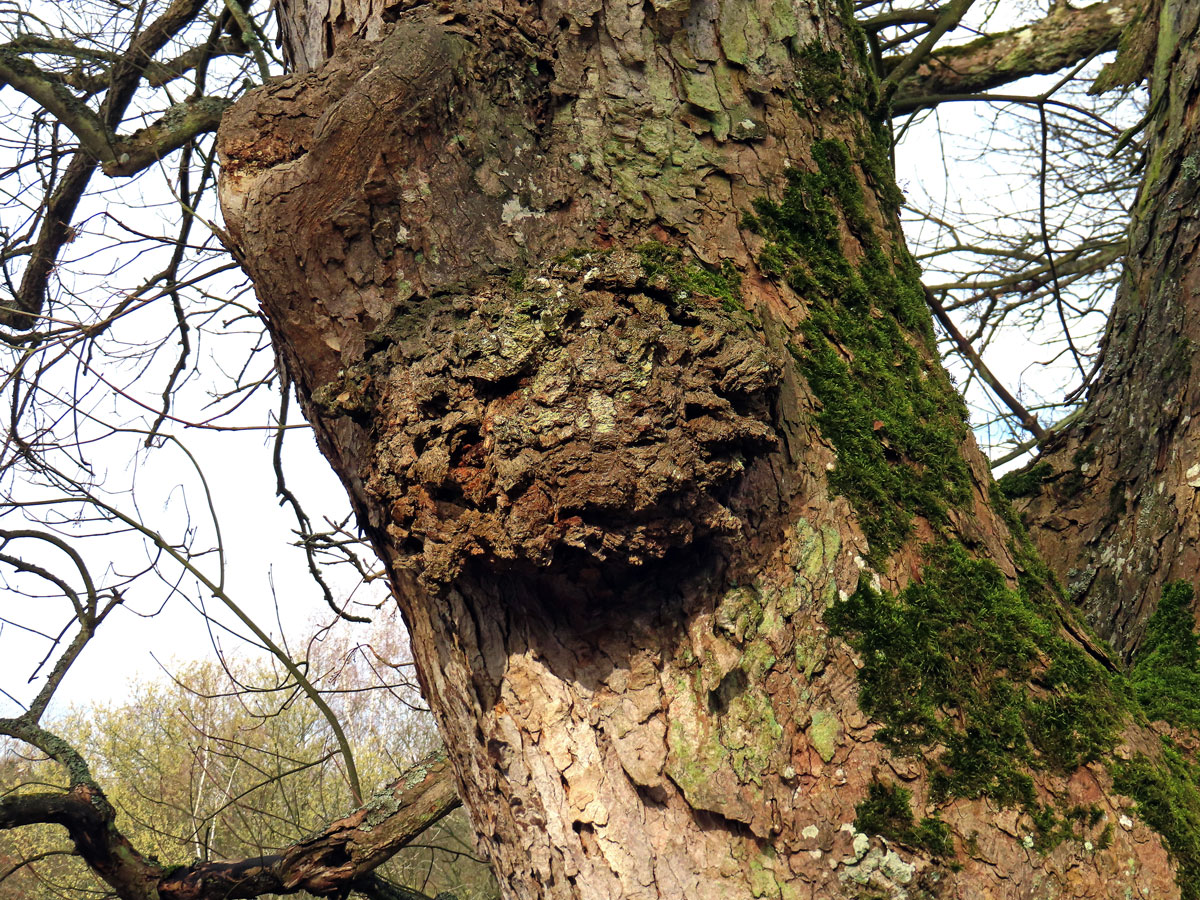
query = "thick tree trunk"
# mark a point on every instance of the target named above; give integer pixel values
(602, 314)
(1116, 505)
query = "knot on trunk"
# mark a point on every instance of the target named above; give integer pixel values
(606, 404)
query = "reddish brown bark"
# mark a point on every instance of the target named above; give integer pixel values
(580, 476)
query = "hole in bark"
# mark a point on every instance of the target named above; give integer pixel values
(731, 687)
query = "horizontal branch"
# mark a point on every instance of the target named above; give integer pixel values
(118, 156)
(178, 125)
(1063, 37)
(330, 862)
(100, 60)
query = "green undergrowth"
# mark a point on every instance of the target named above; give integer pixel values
(963, 662)
(887, 811)
(894, 419)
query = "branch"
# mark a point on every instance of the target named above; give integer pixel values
(903, 68)
(330, 862)
(55, 233)
(1063, 37)
(1028, 420)
(127, 71)
(178, 125)
(156, 74)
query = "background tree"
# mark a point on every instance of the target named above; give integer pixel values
(618, 350)
(221, 764)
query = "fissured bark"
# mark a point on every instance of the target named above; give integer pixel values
(1118, 515)
(501, 252)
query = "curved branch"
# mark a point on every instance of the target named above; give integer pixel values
(52, 95)
(1065, 36)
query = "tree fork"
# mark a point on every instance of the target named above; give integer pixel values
(603, 316)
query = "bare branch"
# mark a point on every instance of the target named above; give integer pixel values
(1028, 420)
(903, 68)
(1066, 36)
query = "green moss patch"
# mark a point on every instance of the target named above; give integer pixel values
(1165, 676)
(689, 278)
(1024, 482)
(887, 811)
(1168, 798)
(893, 417)
(963, 662)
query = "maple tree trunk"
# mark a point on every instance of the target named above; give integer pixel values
(1115, 502)
(603, 316)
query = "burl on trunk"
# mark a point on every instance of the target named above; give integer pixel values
(602, 314)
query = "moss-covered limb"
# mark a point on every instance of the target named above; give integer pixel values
(963, 662)
(892, 415)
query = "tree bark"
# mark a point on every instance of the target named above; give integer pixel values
(602, 314)
(1118, 511)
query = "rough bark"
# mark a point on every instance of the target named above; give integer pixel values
(602, 314)
(1118, 510)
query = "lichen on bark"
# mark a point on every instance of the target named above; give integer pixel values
(502, 259)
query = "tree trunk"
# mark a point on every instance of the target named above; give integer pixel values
(1116, 502)
(603, 316)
